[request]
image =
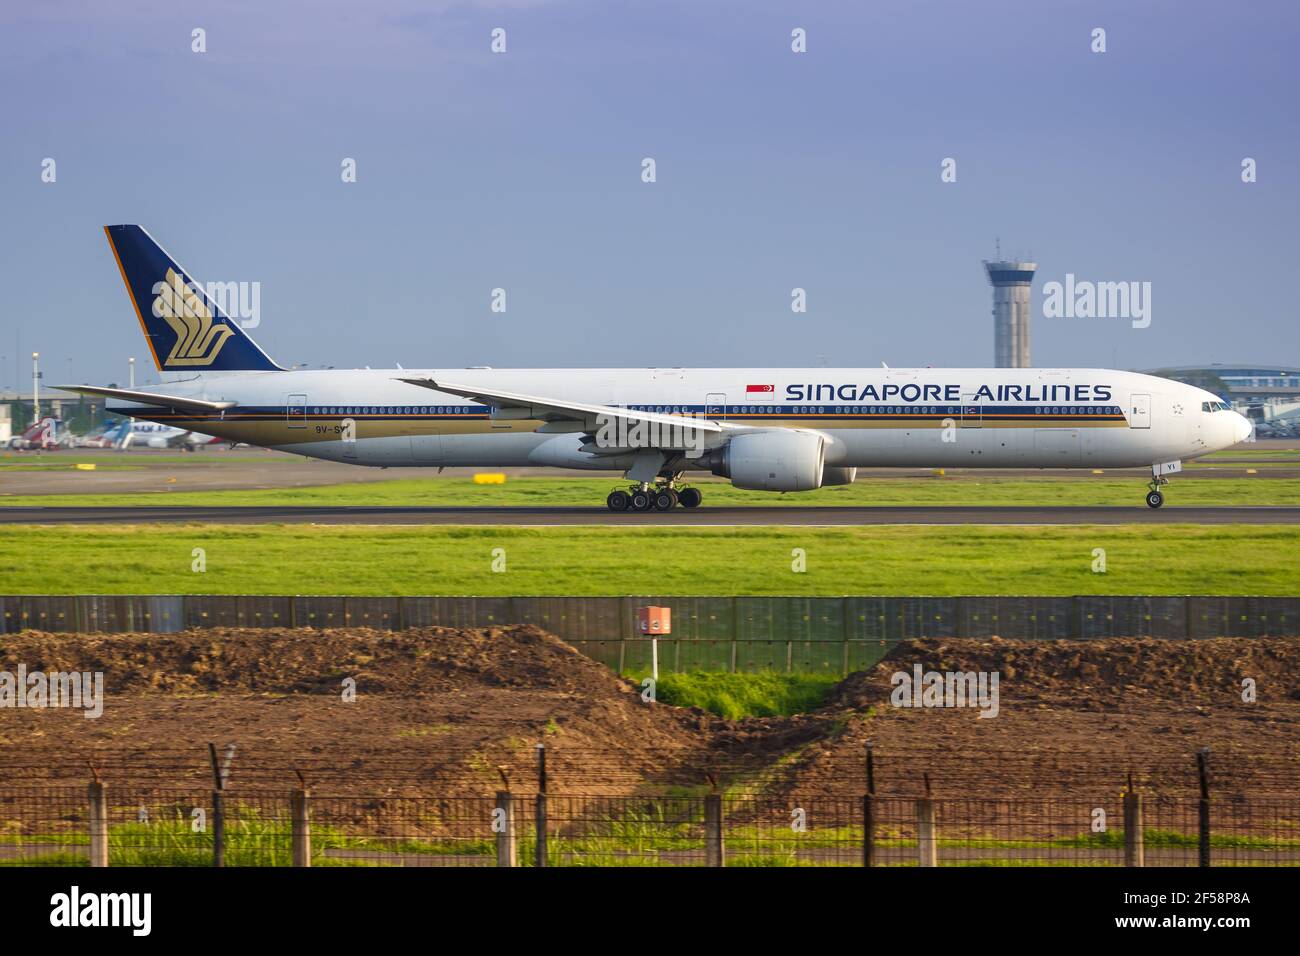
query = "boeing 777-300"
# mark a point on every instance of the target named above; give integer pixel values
(769, 429)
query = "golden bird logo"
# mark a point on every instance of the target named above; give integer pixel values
(198, 340)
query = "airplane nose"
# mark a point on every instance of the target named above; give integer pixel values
(1242, 427)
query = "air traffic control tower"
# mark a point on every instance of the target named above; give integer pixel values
(1011, 282)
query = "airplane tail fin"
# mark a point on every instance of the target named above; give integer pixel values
(186, 330)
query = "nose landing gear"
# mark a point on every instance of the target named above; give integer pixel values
(1158, 480)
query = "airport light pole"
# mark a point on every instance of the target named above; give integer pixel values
(131, 363)
(36, 386)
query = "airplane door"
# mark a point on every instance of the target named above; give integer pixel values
(295, 411)
(348, 435)
(715, 405)
(1139, 411)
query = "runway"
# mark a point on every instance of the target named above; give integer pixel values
(681, 517)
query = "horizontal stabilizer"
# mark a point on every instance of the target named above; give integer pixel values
(149, 398)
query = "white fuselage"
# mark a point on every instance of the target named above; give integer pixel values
(1004, 418)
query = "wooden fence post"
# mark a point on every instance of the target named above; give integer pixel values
(1203, 772)
(927, 841)
(98, 825)
(540, 857)
(505, 821)
(1134, 839)
(300, 809)
(219, 804)
(714, 850)
(218, 829)
(927, 846)
(869, 811)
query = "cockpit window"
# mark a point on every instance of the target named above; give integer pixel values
(1214, 406)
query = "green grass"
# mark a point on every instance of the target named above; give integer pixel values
(600, 560)
(964, 489)
(739, 695)
(1239, 452)
(652, 835)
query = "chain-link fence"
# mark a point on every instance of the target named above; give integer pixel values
(101, 825)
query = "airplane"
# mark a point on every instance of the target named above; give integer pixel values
(128, 433)
(104, 435)
(137, 434)
(770, 429)
(44, 435)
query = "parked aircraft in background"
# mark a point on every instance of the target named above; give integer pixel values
(103, 436)
(145, 434)
(46, 435)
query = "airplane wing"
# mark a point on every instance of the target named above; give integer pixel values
(519, 406)
(149, 398)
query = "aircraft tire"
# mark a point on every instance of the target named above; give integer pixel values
(618, 501)
(1155, 499)
(689, 497)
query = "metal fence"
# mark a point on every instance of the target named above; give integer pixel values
(839, 634)
(179, 827)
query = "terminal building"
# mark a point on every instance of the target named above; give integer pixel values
(1261, 392)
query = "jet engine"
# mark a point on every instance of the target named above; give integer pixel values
(773, 460)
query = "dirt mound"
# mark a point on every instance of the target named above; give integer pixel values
(1073, 717)
(291, 660)
(1086, 674)
(445, 711)
(440, 710)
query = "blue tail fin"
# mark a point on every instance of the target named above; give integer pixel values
(185, 329)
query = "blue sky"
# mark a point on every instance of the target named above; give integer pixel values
(775, 170)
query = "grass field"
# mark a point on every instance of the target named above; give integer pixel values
(951, 490)
(739, 695)
(448, 560)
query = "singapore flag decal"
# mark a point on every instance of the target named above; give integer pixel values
(749, 389)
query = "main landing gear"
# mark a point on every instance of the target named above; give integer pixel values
(662, 497)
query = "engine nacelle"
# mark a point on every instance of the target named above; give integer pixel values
(832, 475)
(773, 460)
